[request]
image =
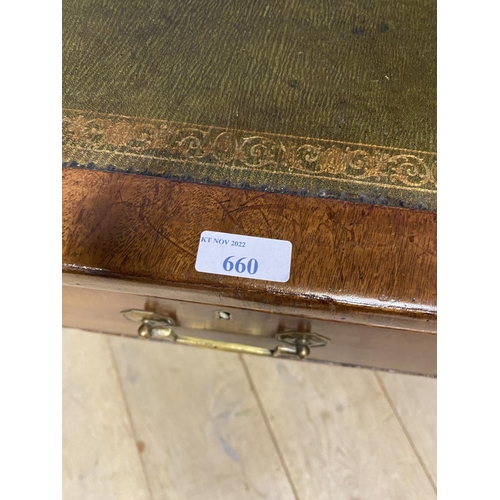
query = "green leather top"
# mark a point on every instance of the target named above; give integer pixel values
(273, 92)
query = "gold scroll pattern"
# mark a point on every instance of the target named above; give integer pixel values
(173, 141)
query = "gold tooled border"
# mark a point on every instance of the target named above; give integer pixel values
(222, 155)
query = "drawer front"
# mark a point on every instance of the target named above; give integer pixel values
(211, 325)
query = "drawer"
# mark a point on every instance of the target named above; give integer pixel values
(347, 343)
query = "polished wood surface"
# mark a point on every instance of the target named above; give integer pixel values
(364, 276)
(346, 257)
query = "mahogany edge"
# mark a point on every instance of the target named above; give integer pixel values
(308, 303)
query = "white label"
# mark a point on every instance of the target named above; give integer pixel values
(244, 256)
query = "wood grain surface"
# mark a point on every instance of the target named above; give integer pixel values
(205, 435)
(414, 399)
(100, 459)
(144, 420)
(349, 441)
(346, 257)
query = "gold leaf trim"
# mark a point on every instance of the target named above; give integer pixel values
(273, 153)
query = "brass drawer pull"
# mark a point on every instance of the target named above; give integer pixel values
(158, 326)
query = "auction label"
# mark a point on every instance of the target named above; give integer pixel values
(244, 256)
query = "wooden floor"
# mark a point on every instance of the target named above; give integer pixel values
(144, 420)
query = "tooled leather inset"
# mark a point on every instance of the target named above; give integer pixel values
(298, 156)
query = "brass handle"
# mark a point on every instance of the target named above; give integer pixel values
(154, 325)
